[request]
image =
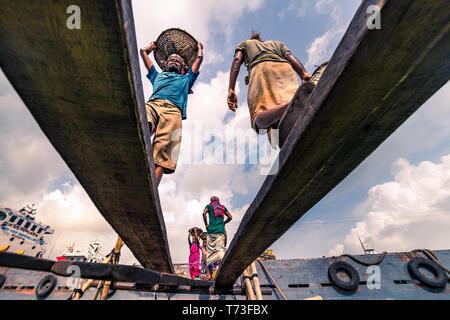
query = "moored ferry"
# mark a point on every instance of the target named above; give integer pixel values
(21, 233)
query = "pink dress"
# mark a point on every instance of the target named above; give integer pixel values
(194, 260)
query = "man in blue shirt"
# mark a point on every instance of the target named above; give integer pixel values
(167, 106)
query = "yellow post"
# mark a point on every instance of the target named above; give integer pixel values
(256, 281)
(97, 290)
(84, 287)
(248, 285)
(107, 284)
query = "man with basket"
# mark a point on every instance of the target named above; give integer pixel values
(167, 105)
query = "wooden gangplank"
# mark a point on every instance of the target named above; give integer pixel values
(375, 80)
(83, 88)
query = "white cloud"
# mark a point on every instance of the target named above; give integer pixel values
(29, 164)
(411, 212)
(337, 250)
(323, 47)
(331, 7)
(75, 219)
(297, 11)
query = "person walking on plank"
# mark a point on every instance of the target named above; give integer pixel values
(272, 81)
(166, 107)
(215, 213)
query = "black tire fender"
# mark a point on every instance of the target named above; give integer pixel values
(413, 268)
(335, 267)
(46, 286)
(2, 280)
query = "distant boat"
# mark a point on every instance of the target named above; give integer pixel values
(91, 254)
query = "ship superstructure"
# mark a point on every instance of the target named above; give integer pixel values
(21, 233)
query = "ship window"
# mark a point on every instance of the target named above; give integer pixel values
(10, 287)
(19, 223)
(2, 215)
(63, 288)
(299, 285)
(326, 284)
(33, 247)
(33, 227)
(21, 242)
(402, 281)
(11, 239)
(40, 230)
(27, 225)
(13, 218)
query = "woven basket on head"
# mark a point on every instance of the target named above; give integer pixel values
(177, 41)
(199, 231)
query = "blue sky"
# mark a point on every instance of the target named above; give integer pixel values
(396, 199)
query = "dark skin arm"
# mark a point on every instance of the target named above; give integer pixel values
(195, 235)
(198, 61)
(144, 55)
(229, 217)
(297, 66)
(205, 219)
(234, 72)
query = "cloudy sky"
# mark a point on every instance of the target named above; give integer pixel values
(397, 199)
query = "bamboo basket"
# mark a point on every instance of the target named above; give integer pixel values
(177, 41)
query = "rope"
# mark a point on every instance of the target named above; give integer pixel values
(432, 256)
(366, 263)
(272, 280)
(75, 291)
(115, 256)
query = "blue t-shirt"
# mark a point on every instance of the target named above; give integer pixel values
(172, 86)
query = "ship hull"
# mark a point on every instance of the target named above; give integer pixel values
(297, 278)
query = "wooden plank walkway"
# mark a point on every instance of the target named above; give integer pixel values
(83, 88)
(375, 80)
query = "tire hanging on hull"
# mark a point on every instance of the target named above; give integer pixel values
(45, 286)
(440, 277)
(352, 273)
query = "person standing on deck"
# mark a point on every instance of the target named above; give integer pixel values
(216, 238)
(272, 80)
(204, 256)
(194, 254)
(166, 107)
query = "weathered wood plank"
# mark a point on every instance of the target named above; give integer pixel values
(98, 271)
(375, 80)
(83, 88)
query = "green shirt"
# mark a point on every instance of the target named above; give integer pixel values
(215, 225)
(256, 51)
